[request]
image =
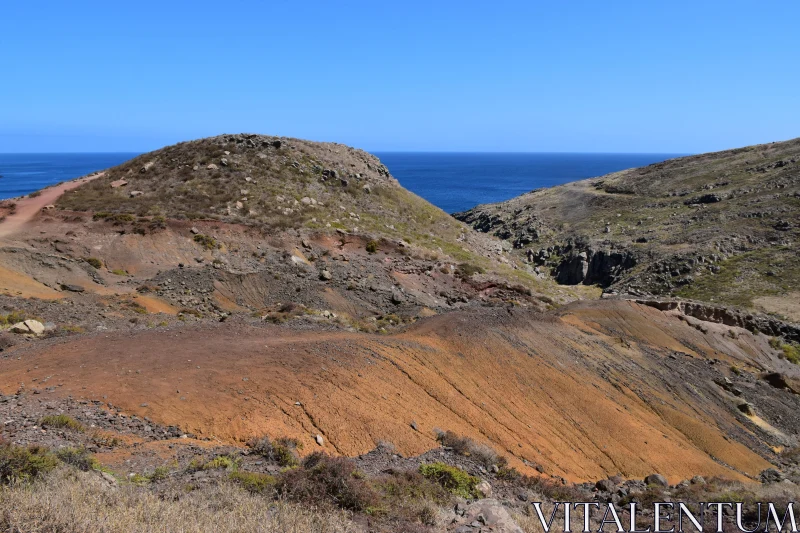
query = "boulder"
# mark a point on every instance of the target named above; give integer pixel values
(119, 183)
(397, 297)
(485, 515)
(325, 275)
(71, 288)
(605, 485)
(136, 194)
(319, 440)
(484, 489)
(656, 479)
(28, 327)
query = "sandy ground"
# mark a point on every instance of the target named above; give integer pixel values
(788, 306)
(28, 208)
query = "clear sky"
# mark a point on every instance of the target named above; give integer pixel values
(575, 76)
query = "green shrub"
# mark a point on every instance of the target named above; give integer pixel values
(218, 463)
(372, 247)
(254, 481)
(161, 472)
(451, 478)
(95, 262)
(20, 463)
(80, 458)
(61, 422)
(207, 242)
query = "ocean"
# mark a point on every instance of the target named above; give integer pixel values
(452, 181)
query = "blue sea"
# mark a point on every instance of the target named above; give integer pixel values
(451, 181)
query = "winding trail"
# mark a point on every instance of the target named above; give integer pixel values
(28, 208)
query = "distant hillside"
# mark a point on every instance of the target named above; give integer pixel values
(719, 227)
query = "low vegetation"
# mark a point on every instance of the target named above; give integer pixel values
(61, 422)
(453, 479)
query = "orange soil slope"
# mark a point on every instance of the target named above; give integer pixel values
(565, 392)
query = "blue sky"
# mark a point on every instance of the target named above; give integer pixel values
(573, 76)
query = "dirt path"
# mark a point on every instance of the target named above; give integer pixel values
(28, 208)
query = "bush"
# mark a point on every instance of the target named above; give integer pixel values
(467, 270)
(209, 243)
(283, 451)
(35, 194)
(254, 481)
(217, 463)
(19, 463)
(372, 247)
(94, 262)
(61, 422)
(453, 479)
(80, 458)
(322, 478)
(469, 448)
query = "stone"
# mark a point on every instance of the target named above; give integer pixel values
(414, 425)
(397, 297)
(605, 485)
(484, 489)
(367, 189)
(657, 480)
(223, 162)
(320, 440)
(487, 515)
(698, 480)
(136, 194)
(325, 275)
(28, 327)
(746, 408)
(195, 231)
(71, 288)
(119, 183)
(211, 166)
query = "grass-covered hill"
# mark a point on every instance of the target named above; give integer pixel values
(275, 182)
(721, 227)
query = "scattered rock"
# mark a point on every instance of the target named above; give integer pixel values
(605, 485)
(119, 183)
(485, 515)
(397, 297)
(320, 440)
(657, 480)
(71, 288)
(136, 194)
(484, 489)
(746, 408)
(28, 327)
(325, 275)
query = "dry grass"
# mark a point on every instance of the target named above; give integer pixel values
(76, 502)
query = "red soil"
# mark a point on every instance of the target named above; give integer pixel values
(563, 392)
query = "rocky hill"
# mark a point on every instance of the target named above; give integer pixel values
(721, 227)
(274, 183)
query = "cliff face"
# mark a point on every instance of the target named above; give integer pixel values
(718, 227)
